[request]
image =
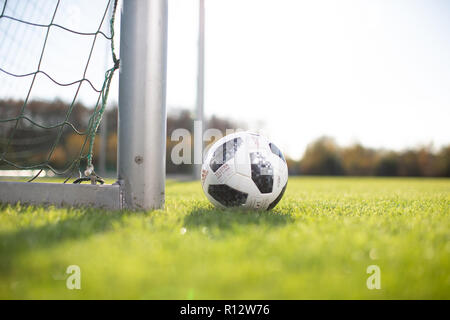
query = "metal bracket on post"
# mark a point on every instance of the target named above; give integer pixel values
(142, 103)
(73, 195)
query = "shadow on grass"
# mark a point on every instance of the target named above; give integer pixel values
(227, 218)
(81, 224)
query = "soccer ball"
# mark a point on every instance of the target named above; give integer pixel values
(244, 169)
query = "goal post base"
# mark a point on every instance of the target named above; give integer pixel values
(62, 195)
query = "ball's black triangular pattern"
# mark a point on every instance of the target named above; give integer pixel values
(262, 172)
(277, 151)
(226, 195)
(224, 152)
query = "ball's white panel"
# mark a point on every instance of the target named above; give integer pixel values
(253, 142)
(208, 176)
(259, 202)
(264, 143)
(225, 172)
(277, 183)
(244, 184)
(280, 171)
(242, 160)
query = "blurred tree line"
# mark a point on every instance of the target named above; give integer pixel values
(31, 144)
(325, 157)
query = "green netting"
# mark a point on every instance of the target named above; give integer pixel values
(85, 154)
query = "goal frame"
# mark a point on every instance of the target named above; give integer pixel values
(141, 124)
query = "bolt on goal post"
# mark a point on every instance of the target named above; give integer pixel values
(142, 123)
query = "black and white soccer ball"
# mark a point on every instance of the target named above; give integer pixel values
(244, 169)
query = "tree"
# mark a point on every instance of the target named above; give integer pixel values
(322, 158)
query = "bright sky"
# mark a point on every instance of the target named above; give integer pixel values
(376, 72)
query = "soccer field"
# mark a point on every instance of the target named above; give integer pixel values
(317, 243)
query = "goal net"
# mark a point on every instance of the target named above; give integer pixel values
(57, 60)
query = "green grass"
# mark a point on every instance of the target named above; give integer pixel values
(317, 243)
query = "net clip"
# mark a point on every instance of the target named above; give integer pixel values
(90, 175)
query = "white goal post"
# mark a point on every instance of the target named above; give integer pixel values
(142, 123)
